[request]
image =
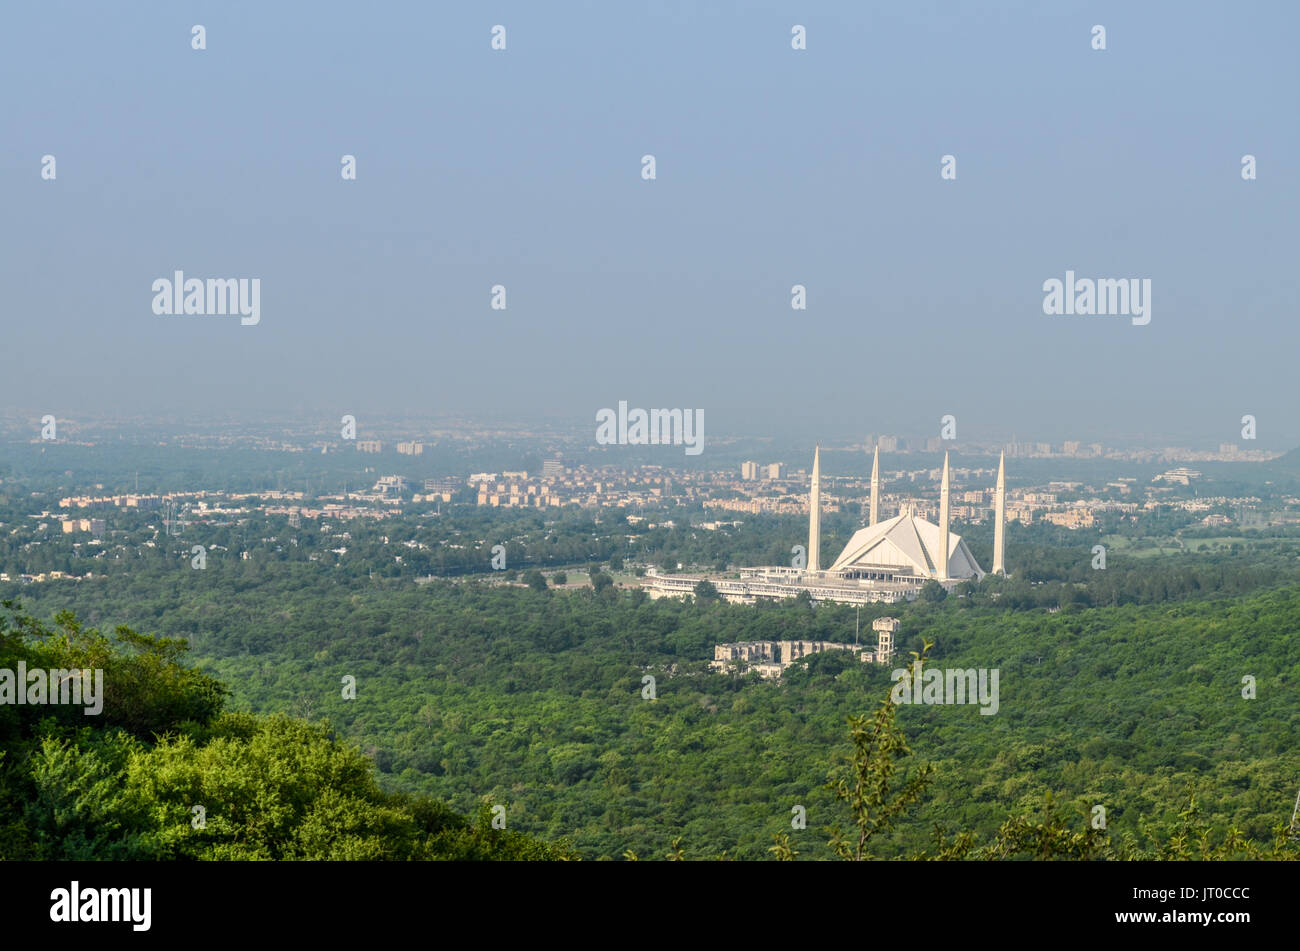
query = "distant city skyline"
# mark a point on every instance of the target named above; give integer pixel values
(403, 428)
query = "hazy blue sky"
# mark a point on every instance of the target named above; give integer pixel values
(775, 167)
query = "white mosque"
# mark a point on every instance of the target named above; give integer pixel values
(885, 561)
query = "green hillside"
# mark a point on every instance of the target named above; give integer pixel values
(536, 700)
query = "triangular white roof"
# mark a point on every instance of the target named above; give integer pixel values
(910, 541)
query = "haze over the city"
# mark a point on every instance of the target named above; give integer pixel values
(774, 167)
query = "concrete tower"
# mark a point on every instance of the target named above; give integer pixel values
(815, 514)
(943, 523)
(885, 628)
(875, 488)
(1000, 519)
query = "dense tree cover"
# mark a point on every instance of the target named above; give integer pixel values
(876, 799)
(125, 784)
(535, 699)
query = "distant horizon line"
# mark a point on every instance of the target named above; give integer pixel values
(391, 425)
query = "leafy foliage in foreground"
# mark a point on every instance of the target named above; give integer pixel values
(125, 784)
(877, 798)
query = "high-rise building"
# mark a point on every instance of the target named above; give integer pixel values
(749, 471)
(776, 470)
(410, 448)
(552, 468)
(95, 526)
(447, 486)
